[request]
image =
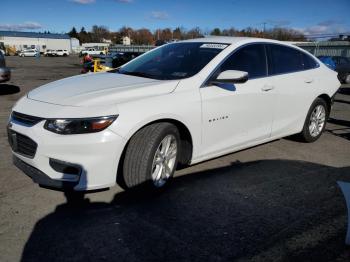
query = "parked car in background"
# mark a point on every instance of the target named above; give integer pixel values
(5, 72)
(184, 102)
(92, 52)
(120, 59)
(29, 52)
(328, 61)
(342, 67)
(160, 42)
(49, 52)
(61, 52)
(115, 59)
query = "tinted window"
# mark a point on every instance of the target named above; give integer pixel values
(249, 59)
(309, 62)
(285, 59)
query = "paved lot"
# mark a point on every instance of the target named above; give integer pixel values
(275, 202)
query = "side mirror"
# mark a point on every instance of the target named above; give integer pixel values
(232, 76)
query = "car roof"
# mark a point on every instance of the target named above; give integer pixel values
(232, 40)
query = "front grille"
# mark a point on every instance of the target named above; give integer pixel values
(22, 144)
(25, 119)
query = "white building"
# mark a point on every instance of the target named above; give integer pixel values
(40, 41)
(126, 40)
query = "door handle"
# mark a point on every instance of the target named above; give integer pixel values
(266, 88)
(308, 81)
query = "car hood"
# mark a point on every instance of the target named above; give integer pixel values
(100, 89)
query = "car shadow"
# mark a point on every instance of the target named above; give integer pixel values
(344, 131)
(340, 122)
(276, 210)
(8, 89)
(342, 101)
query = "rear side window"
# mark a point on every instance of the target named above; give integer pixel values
(251, 59)
(309, 62)
(285, 59)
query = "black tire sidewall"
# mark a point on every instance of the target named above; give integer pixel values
(140, 152)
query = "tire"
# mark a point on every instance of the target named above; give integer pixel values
(314, 126)
(347, 79)
(144, 158)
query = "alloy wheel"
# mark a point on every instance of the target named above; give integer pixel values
(164, 161)
(317, 120)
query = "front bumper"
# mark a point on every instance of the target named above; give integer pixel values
(97, 156)
(5, 74)
(41, 178)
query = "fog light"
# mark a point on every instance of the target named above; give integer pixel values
(65, 167)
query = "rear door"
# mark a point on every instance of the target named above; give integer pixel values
(291, 73)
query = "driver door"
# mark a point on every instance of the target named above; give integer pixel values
(238, 115)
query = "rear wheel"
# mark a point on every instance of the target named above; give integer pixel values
(151, 156)
(315, 122)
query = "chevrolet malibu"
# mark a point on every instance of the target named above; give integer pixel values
(177, 105)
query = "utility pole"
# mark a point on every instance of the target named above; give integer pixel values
(264, 24)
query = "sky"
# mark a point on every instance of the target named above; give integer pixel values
(312, 17)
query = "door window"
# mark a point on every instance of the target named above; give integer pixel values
(284, 59)
(250, 59)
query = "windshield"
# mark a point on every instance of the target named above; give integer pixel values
(173, 61)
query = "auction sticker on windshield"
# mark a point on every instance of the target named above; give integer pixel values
(216, 46)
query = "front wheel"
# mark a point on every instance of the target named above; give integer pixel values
(151, 156)
(315, 122)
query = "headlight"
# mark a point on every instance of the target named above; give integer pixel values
(79, 125)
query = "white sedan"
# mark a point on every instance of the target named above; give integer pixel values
(61, 52)
(184, 102)
(29, 52)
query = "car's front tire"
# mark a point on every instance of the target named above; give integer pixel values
(151, 156)
(315, 121)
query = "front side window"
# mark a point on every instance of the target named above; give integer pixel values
(284, 59)
(250, 59)
(173, 61)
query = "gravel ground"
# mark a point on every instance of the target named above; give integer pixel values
(275, 202)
